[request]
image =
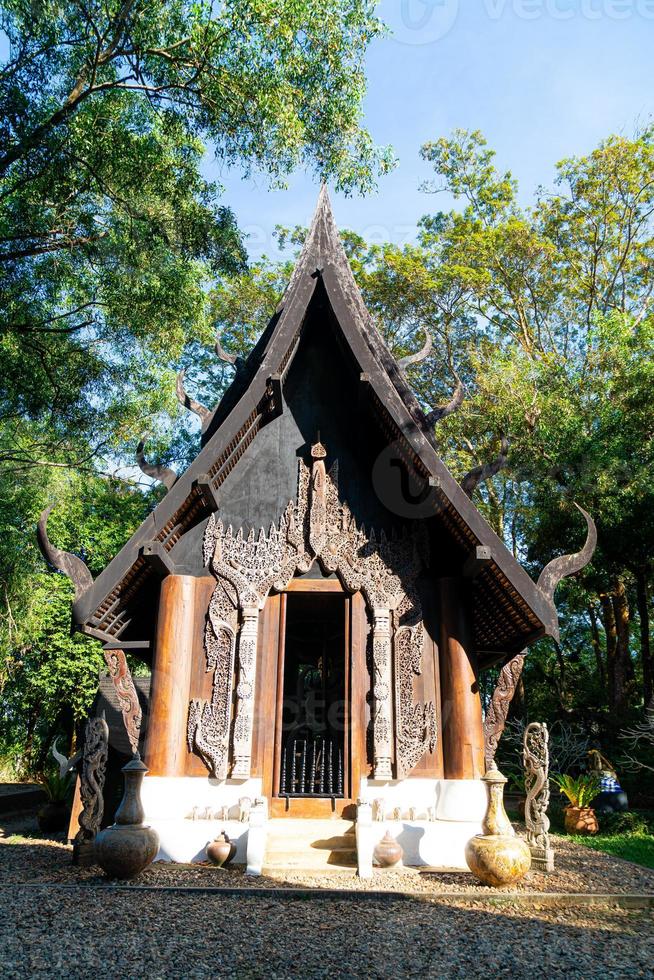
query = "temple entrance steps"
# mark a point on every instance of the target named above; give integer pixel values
(310, 845)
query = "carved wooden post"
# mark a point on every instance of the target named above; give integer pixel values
(171, 677)
(463, 739)
(247, 668)
(382, 693)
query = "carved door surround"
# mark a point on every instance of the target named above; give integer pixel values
(317, 527)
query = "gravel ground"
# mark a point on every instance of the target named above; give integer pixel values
(99, 932)
(578, 869)
(96, 933)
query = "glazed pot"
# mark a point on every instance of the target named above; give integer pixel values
(497, 860)
(387, 852)
(129, 846)
(580, 820)
(53, 817)
(221, 850)
(497, 856)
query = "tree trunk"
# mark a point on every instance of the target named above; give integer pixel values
(610, 632)
(625, 676)
(597, 647)
(642, 601)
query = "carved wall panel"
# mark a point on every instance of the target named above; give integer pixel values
(317, 526)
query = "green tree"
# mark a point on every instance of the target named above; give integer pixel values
(110, 235)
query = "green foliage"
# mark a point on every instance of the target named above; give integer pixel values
(580, 790)
(110, 235)
(629, 822)
(58, 789)
(636, 847)
(48, 677)
(113, 251)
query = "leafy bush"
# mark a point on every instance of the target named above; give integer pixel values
(580, 790)
(631, 822)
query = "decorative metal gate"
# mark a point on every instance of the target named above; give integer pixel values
(312, 766)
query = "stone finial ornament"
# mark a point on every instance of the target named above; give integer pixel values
(536, 762)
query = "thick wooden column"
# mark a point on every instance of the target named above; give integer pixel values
(165, 754)
(463, 737)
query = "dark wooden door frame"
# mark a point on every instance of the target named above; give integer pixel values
(354, 738)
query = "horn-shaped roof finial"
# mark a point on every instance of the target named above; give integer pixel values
(63, 561)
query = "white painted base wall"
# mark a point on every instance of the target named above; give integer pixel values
(458, 806)
(169, 802)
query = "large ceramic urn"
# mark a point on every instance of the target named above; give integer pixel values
(129, 846)
(497, 856)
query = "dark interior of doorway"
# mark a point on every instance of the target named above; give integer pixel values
(314, 710)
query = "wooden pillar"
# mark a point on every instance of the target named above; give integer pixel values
(463, 738)
(166, 751)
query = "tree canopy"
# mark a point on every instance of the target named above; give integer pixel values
(112, 238)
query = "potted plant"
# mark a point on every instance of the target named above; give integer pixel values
(580, 818)
(53, 815)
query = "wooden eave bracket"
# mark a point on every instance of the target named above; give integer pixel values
(158, 558)
(127, 645)
(274, 403)
(203, 485)
(477, 561)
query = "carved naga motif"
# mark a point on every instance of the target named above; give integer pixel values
(94, 764)
(499, 707)
(384, 569)
(536, 761)
(126, 692)
(548, 580)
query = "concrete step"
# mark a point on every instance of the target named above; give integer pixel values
(310, 844)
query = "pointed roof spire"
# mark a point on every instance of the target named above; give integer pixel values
(322, 246)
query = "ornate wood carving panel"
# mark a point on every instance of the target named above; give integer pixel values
(318, 526)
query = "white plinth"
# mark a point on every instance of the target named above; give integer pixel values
(169, 802)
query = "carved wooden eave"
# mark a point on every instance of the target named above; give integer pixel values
(510, 611)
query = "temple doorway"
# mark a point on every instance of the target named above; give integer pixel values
(313, 741)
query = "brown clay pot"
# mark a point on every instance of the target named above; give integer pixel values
(125, 851)
(580, 820)
(53, 817)
(221, 850)
(497, 860)
(387, 852)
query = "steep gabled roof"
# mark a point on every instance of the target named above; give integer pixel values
(510, 611)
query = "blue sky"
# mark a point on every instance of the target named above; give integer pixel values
(542, 79)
